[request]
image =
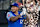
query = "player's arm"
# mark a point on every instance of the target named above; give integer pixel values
(14, 18)
(10, 17)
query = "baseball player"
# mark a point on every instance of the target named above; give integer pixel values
(14, 17)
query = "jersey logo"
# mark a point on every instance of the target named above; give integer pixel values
(8, 15)
(21, 21)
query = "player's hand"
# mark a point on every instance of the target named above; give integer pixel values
(24, 11)
(21, 13)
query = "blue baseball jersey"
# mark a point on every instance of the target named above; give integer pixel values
(17, 23)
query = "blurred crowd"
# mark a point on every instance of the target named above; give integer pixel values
(30, 4)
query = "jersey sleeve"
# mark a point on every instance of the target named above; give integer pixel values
(9, 15)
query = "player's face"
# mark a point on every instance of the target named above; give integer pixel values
(14, 8)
